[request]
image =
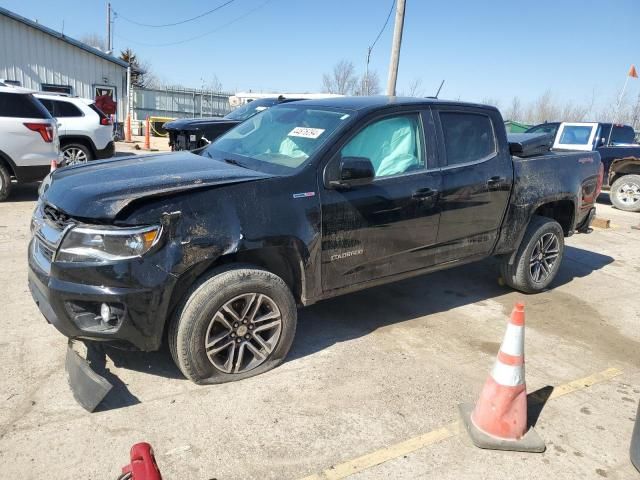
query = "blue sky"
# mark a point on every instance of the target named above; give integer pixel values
(483, 49)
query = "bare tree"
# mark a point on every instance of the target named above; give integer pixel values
(342, 80)
(490, 101)
(514, 112)
(94, 40)
(415, 88)
(544, 109)
(368, 85)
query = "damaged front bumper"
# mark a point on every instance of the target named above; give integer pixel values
(89, 388)
(71, 296)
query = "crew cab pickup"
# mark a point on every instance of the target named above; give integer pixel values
(619, 152)
(302, 202)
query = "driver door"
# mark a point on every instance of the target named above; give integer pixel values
(390, 225)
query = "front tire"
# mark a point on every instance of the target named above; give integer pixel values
(5, 183)
(538, 258)
(75, 154)
(625, 193)
(235, 323)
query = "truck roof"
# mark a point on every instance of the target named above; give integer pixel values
(379, 101)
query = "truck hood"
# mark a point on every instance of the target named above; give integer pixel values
(100, 190)
(196, 123)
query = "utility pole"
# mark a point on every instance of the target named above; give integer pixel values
(108, 27)
(395, 48)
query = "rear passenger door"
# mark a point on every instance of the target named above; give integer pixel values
(69, 117)
(476, 180)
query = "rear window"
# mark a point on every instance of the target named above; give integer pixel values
(468, 137)
(21, 105)
(621, 134)
(575, 135)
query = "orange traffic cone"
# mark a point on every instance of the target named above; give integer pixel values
(54, 165)
(147, 135)
(499, 419)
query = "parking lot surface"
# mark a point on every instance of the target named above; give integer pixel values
(370, 389)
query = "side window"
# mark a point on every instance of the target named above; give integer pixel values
(468, 137)
(393, 144)
(48, 104)
(66, 109)
(20, 105)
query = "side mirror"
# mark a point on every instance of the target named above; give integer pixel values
(354, 172)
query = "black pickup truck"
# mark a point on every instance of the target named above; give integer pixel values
(618, 149)
(300, 203)
(193, 133)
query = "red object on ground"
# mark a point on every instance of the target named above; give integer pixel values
(106, 104)
(143, 463)
(501, 410)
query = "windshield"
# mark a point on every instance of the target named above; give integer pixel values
(280, 139)
(544, 128)
(248, 110)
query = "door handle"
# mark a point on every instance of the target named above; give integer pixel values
(495, 182)
(424, 193)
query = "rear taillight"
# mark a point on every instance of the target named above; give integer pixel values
(44, 129)
(105, 121)
(600, 180)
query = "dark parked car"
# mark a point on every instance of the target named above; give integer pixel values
(192, 133)
(618, 150)
(300, 203)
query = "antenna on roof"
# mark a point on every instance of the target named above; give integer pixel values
(439, 88)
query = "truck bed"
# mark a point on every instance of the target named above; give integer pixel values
(540, 179)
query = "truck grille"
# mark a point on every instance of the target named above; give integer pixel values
(55, 216)
(44, 249)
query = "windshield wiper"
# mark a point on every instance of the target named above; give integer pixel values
(235, 162)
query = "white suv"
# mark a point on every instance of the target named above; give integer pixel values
(85, 132)
(28, 139)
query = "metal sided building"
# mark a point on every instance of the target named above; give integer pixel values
(39, 58)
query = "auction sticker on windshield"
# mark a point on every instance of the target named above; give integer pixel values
(306, 132)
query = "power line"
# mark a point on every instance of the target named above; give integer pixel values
(175, 23)
(393, 2)
(179, 42)
(370, 49)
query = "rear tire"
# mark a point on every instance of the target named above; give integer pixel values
(5, 182)
(625, 193)
(235, 323)
(538, 258)
(75, 154)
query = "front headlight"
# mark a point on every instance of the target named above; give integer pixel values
(106, 244)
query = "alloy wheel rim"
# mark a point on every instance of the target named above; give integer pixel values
(629, 193)
(74, 156)
(243, 333)
(544, 257)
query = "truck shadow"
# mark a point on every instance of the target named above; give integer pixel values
(358, 314)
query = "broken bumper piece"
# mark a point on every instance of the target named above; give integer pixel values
(89, 388)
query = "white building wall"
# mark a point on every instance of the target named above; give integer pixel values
(33, 57)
